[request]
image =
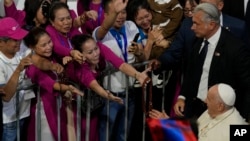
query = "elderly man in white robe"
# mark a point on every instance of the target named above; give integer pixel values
(214, 123)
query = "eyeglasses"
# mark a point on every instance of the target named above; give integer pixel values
(187, 11)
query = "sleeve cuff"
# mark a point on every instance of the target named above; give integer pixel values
(181, 97)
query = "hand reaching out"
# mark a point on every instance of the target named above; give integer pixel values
(157, 114)
(114, 98)
(142, 77)
(76, 91)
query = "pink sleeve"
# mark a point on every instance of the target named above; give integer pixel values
(18, 15)
(59, 49)
(110, 56)
(40, 77)
(79, 7)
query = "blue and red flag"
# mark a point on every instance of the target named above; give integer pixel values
(170, 130)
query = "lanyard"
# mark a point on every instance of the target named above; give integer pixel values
(117, 35)
(142, 36)
(99, 14)
(62, 41)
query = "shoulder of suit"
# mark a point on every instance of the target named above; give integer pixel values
(234, 20)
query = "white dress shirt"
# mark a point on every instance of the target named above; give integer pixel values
(203, 86)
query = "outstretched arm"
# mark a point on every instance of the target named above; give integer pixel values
(115, 7)
(63, 88)
(94, 85)
(131, 71)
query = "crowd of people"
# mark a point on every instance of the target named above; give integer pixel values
(198, 61)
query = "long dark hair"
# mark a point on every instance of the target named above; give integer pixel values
(31, 7)
(134, 6)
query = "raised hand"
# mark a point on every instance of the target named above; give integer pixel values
(92, 14)
(119, 5)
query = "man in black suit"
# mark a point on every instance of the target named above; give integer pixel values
(182, 44)
(180, 49)
(227, 60)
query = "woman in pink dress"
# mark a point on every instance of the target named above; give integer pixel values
(35, 18)
(61, 31)
(87, 74)
(41, 44)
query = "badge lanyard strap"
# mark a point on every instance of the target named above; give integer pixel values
(63, 42)
(142, 36)
(118, 39)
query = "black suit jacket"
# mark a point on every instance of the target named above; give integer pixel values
(234, 8)
(230, 64)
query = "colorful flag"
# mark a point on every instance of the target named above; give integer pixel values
(171, 130)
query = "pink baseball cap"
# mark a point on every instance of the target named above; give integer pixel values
(11, 29)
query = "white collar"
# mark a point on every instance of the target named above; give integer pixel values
(213, 40)
(221, 19)
(15, 60)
